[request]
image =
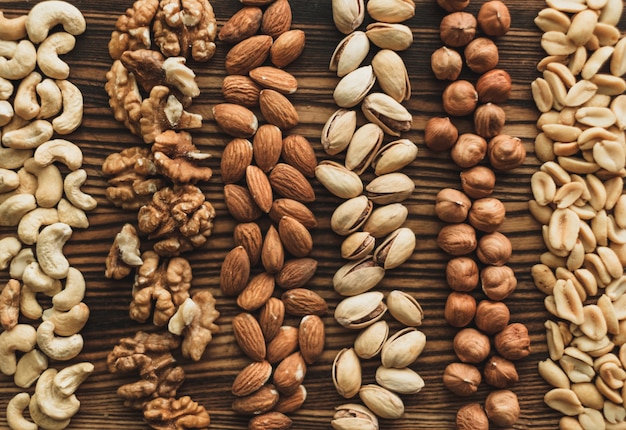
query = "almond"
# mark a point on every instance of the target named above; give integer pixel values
(296, 238)
(292, 402)
(277, 109)
(275, 79)
(267, 146)
(311, 338)
(272, 254)
(236, 157)
(289, 373)
(295, 209)
(248, 54)
(236, 120)
(240, 203)
(271, 317)
(290, 183)
(259, 187)
(255, 2)
(243, 24)
(270, 420)
(249, 236)
(235, 271)
(302, 301)
(257, 292)
(287, 48)
(283, 344)
(249, 336)
(296, 272)
(276, 18)
(240, 90)
(262, 400)
(298, 152)
(251, 378)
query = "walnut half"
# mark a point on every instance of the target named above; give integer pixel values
(175, 414)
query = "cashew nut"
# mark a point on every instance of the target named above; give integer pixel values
(47, 14)
(19, 263)
(30, 136)
(11, 158)
(29, 368)
(72, 114)
(8, 180)
(48, 55)
(6, 112)
(73, 293)
(29, 306)
(28, 228)
(9, 247)
(23, 338)
(71, 185)
(23, 58)
(43, 420)
(49, 250)
(56, 347)
(12, 28)
(51, 98)
(15, 207)
(49, 183)
(59, 150)
(69, 322)
(15, 411)
(28, 183)
(25, 103)
(71, 215)
(51, 401)
(38, 282)
(69, 379)
(6, 88)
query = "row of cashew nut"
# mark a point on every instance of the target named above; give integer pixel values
(44, 207)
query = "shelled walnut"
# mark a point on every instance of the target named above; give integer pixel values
(182, 413)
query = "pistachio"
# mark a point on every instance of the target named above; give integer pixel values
(349, 216)
(338, 131)
(346, 373)
(381, 401)
(391, 10)
(357, 277)
(396, 37)
(396, 249)
(385, 219)
(389, 114)
(371, 340)
(357, 245)
(349, 53)
(363, 146)
(361, 310)
(390, 188)
(338, 180)
(353, 416)
(403, 348)
(405, 308)
(348, 14)
(394, 156)
(354, 86)
(402, 381)
(391, 74)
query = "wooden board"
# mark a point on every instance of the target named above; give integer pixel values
(209, 380)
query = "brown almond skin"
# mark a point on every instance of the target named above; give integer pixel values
(289, 373)
(259, 187)
(257, 292)
(235, 120)
(258, 402)
(235, 271)
(249, 336)
(251, 378)
(248, 54)
(236, 157)
(271, 317)
(296, 238)
(294, 209)
(311, 338)
(241, 90)
(290, 183)
(296, 273)
(267, 146)
(287, 48)
(283, 344)
(298, 152)
(249, 236)
(270, 421)
(302, 301)
(275, 79)
(276, 18)
(240, 203)
(272, 253)
(292, 402)
(277, 109)
(243, 24)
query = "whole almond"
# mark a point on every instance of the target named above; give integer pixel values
(277, 109)
(275, 79)
(302, 301)
(235, 271)
(296, 272)
(294, 209)
(289, 373)
(283, 344)
(290, 183)
(236, 120)
(240, 90)
(248, 54)
(257, 292)
(276, 18)
(311, 338)
(236, 157)
(287, 48)
(262, 400)
(272, 253)
(259, 187)
(292, 402)
(296, 238)
(298, 152)
(249, 336)
(271, 317)
(267, 146)
(240, 203)
(243, 24)
(270, 420)
(251, 378)
(249, 236)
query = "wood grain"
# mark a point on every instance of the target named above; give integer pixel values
(209, 380)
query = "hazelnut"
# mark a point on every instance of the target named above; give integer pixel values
(452, 205)
(457, 29)
(489, 120)
(494, 86)
(457, 239)
(471, 346)
(492, 316)
(440, 134)
(461, 378)
(494, 18)
(460, 98)
(462, 274)
(460, 309)
(471, 417)
(487, 214)
(498, 282)
(513, 342)
(481, 55)
(478, 182)
(446, 63)
(494, 249)
(453, 5)
(500, 372)
(506, 152)
(469, 150)
(502, 407)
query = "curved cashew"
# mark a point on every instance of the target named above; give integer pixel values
(50, 250)
(19, 263)
(23, 338)
(48, 55)
(71, 215)
(51, 401)
(55, 347)
(71, 185)
(28, 183)
(25, 102)
(69, 322)
(15, 412)
(49, 183)
(6, 112)
(39, 282)
(59, 150)
(12, 28)
(72, 114)
(30, 136)
(45, 15)
(6, 88)
(29, 368)
(51, 98)
(8, 180)
(42, 420)
(28, 228)
(22, 62)
(11, 158)
(69, 379)
(15, 207)
(9, 247)
(29, 306)
(73, 293)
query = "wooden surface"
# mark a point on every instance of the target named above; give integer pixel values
(209, 380)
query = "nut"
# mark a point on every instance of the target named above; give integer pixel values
(513, 342)
(481, 55)
(498, 282)
(494, 249)
(446, 63)
(489, 120)
(491, 316)
(469, 149)
(494, 18)
(381, 401)
(502, 407)
(478, 182)
(460, 309)
(500, 372)
(506, 152)
(457, 239)
(460, 98)
(457, 29)
(487, 214)
(440, 134)
(472, 417)
(471, 346)
(494, 86)
(452, 206)
(462, 379)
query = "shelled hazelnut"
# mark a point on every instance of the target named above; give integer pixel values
(460, 98)
(452, 205)
(489, 120)
(506, 152)
(461, 378)
(481, 55)
(462, 274)
(502, 407)
(471, 416)
(494, 86)
(492, 316)
(453, 5)
(487, 214)
(494, 249)
(469, 150)
(513, 342)
(460, 309)
(478, 182)
(457, 239)
(457, 28)
(494, 18)
(446, 63)
(471, 346)
(498, 282)
(440, 134)
(500, 372)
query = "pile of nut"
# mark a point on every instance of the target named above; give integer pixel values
(473, 217)
(40, 196)
(579, 201)
(267, 173)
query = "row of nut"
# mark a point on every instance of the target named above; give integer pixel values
(472, 225)
(44, 203)
(578, 200)
(266, 173)
(149, 89)
(372, 217)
